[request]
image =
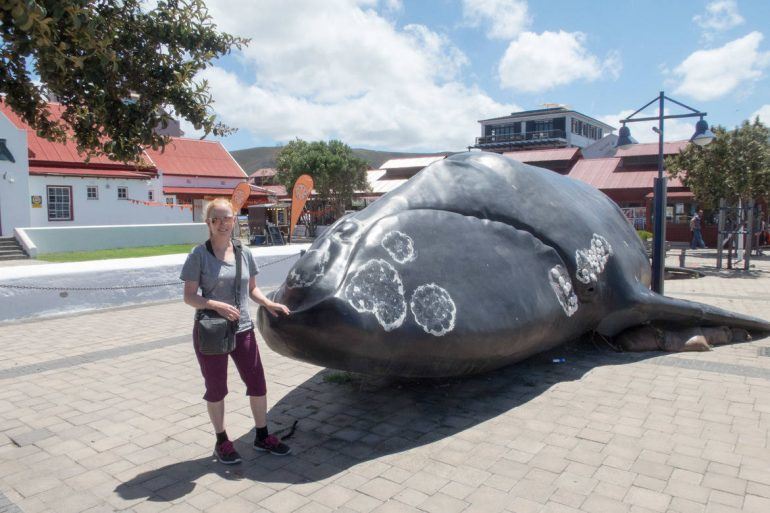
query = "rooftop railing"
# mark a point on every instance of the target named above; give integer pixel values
(525, 137)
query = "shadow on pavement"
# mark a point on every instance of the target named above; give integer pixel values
(346, 420)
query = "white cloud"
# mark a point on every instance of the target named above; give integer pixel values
(673, 129)
(720, 15)
(536, 62)
(763, 113)
(340, 69)
(504, 19)
(711, 74)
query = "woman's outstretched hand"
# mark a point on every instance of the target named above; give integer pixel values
(276, 309)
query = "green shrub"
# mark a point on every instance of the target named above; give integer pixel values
(644, 235)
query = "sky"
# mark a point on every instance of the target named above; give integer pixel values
(417, 75)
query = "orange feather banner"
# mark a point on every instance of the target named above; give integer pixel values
(299, 195)
(241, 193)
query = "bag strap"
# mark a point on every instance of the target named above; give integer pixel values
(238, 267)
(238, 250)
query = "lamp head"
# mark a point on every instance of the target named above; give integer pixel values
(703, 135)
(624, 138)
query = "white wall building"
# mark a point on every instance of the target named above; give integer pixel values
(552, 127)
(14, 188)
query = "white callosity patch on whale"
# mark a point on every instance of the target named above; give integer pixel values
(308, 269)
(377, 288)
(399, 246)
(592, 261)
(433, 309)
(562, 287)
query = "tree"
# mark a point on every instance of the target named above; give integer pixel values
(337, 173)
(114, 67)
(736, 165)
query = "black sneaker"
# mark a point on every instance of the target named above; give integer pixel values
(226, 453)
(272, 445)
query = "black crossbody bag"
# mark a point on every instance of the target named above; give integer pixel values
(216, 335)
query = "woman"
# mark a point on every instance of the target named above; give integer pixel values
(214, 273)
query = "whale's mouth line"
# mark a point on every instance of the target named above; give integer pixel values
(360, 241)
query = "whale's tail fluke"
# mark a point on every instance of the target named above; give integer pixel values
(654, 308)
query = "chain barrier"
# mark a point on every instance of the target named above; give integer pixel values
(123, 287)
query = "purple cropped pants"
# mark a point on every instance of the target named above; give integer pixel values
(247, 361)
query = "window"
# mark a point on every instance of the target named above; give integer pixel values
(544, 126)
(577, 126)
(59, 202)
(170, 200)
(92, 192)
(122, 193)
(150, 195)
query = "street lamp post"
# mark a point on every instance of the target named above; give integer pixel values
(701, 137)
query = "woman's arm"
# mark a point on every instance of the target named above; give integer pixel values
(195, 300)
(257, 296)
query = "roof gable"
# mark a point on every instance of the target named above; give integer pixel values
(195, 157)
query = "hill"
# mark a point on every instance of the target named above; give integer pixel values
(252, 159)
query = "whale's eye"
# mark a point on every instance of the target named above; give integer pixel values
(346, 230)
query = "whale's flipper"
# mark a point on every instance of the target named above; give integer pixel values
(650, 307)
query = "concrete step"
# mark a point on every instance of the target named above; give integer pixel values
(10, 247)
(21, 256)
(6, 252)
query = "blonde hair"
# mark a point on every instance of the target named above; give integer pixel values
(218, 202)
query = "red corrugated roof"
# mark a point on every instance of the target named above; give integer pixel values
(647, 149)
(278, 190)
(44, 150)
(546, 155)
(195, 157)
(265, 171)
(94, 172)
(260, 190)
(605, 174)
(189, 157)
(211, 191)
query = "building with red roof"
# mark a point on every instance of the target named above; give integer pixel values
(195, 171)
(49, 183)
(628, 178)
(560, 160)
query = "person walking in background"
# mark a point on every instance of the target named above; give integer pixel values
(211, 267)
(695, 228)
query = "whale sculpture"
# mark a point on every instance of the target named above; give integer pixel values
(476, 262)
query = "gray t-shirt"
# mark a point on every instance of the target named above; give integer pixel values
(216, 279)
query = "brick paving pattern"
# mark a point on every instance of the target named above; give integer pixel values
(103, 412)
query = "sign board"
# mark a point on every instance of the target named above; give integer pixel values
(37, 201)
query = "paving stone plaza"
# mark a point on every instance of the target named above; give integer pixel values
(103, 412)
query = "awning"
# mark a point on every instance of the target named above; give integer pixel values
(678, 194)
(275, 205)
(209, 191)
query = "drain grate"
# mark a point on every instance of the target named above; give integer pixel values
(763, 351)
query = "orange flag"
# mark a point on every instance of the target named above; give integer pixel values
(241, 193)
(299, 195)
